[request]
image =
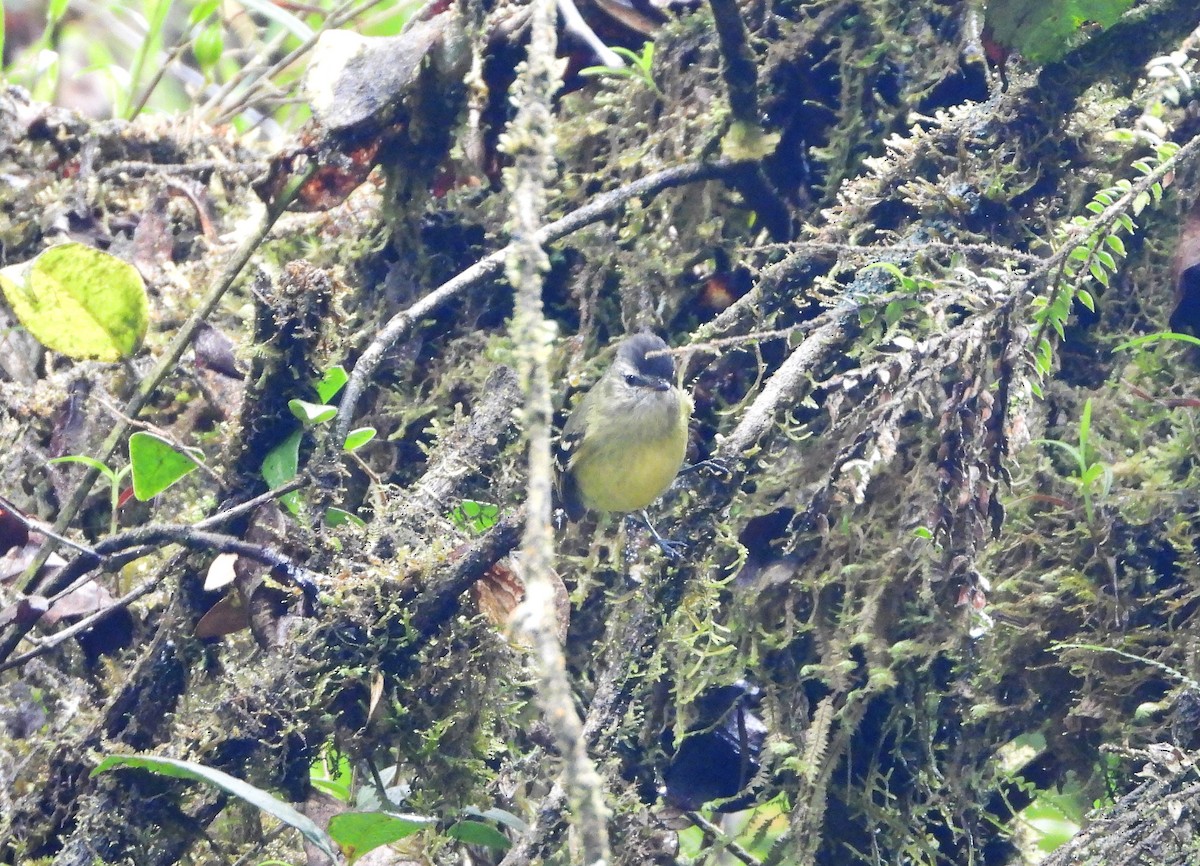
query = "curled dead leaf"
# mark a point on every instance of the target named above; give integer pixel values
(227, 616)
(502, 588)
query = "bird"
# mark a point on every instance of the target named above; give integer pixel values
(625, 441)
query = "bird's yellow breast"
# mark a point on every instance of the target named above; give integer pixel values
(630, 472)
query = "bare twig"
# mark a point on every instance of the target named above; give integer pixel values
(713, 833)
(337, 18)
(781, 389)
(120, 549)
(574, 23)
(83, 625)
(163, 65)
(196, 167)
(243, 508)
(37, 526)
(600, 207)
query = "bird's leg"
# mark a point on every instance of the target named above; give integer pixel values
(673, 550)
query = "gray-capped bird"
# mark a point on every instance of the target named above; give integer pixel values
(624, 443)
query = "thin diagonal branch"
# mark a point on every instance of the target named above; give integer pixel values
(600, 207)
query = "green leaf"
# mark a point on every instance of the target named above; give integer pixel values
(360, 832)
(87, 461)
(280, 466)
(607, 72)
(1074, 452)
(500, 816)
(337, 790)
(1085, 423)
(1061, 308)
(209, 45)
(893, 312)
(333, 381)
(890, 268)
(156, 464)
(1043, 356)
(312, 413)
(1085, 298)
(1116, 245)
(477, 517)
(337, 516)
(1099, 274)
(358, 437)
(333, 775)
(1043, 30)
(748, 141)
(1137, 342)
(478, 833)
(79, 301)
(202, 10)
(257, 797)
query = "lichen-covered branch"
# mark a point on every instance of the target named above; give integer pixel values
(530, 142)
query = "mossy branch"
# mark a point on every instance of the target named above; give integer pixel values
(529, 141)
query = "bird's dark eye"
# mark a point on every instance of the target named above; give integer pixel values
(631, 379)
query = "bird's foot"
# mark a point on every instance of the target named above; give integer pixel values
(672, 550)
(714, 467)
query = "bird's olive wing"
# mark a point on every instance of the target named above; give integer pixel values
(567, 446)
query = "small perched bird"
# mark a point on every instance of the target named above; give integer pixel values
(624, 443)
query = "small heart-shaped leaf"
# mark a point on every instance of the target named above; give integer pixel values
(312, 413)
(156, 464)
(358, 437)
(331, 383)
